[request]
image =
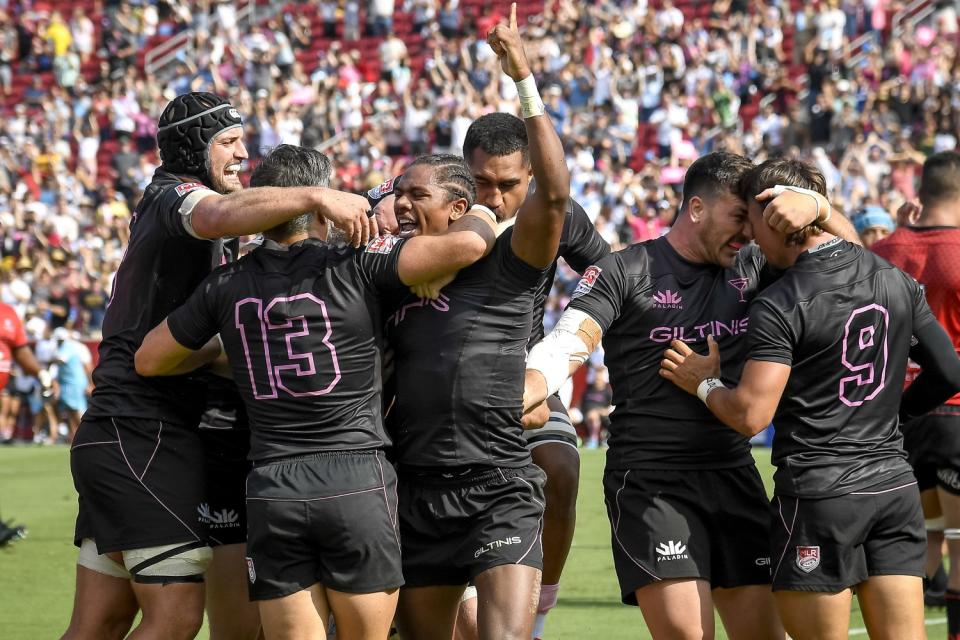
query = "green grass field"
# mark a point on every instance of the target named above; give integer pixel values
(36, 574)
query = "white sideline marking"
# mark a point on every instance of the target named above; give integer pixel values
(928, 622)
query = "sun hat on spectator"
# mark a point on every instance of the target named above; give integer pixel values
(872, 216)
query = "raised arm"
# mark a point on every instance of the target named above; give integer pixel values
(536, 234)
(251, 211)
(427, 258)
(792, 209)
(559, 355)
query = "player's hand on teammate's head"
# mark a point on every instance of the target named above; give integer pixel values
(908, 214)
(685, 368)
(505, 41)
(351, 214)
(789, 211)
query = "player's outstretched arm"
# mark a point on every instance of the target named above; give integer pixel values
(559, 355)
(749, 407)
(425, 259)
(789, 209)
(536, 234)
(254, 210)
(939, 379)
(161, 354)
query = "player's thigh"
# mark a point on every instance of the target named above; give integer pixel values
(363, 615)
(428, 613)
(140, 483)
(466, 627)
(748, 613)
(232, 615)
(561, 462)
(659, 527)
(302, 615)
(810, 615)
(104, 605)
(817, 544)
(680, 609)
(892, 607)
(507, 597)
(173, 610)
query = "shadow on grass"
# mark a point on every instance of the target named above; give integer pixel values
(588, 603)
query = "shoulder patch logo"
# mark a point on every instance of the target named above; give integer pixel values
(808, 558)
(382, 244)
(586, 282)
(187, 187)
(382, 190)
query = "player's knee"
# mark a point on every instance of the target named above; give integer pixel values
(563, 481)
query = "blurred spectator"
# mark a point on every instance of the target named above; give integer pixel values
(873, 223)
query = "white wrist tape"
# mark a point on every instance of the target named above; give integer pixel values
(530, 103)
(780, 188)
(479, 208)
(707, 387)
(562, 347)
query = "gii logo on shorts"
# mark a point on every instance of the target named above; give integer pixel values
(808, 558)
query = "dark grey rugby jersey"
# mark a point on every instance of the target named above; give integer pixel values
(160, 268)
(643, 297)
(843, 318)
(459, 363)
(302, 330)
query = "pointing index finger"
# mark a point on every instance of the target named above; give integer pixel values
(513, 16)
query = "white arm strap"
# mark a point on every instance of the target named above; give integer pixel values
(562, 347)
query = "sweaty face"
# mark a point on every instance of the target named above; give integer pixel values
(502, 181)
(771, 242)
(421, 206)
(724, 228)
(226, 155)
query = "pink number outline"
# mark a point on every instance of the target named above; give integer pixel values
(864, 340)
(274, 373)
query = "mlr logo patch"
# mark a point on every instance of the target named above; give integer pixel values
(808, 558)
(586, 282)
(382, 244)
(251, 572)
(187, 187)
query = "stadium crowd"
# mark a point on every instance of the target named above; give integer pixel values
(637, 89)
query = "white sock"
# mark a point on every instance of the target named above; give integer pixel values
(538, 626)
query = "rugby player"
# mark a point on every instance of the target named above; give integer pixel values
(687, 508)
(827, 347)
(300, 324)
(930, 252)
(137, 460)
(14, 348)
(497, 153)
(471, 502)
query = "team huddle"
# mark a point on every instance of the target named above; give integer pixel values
(354, 427)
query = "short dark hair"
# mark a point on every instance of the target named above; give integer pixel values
(291, 166)
(497, 134)
(789, 172)
(451, 173)
(940, 179)
(713, 174)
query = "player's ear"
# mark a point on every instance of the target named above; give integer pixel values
(457, 208)
(696, 209)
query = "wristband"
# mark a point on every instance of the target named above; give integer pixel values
(479, 208)
(530, 103)
(780, 188)
(707, 387)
